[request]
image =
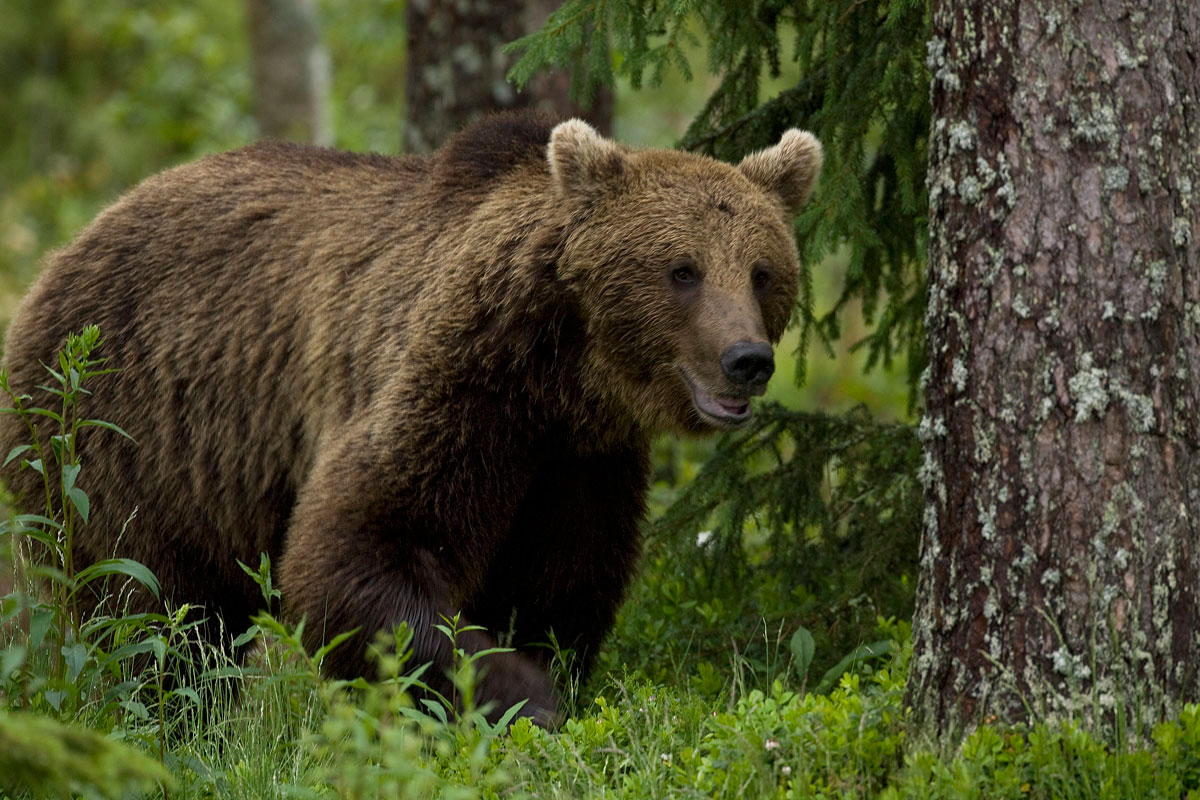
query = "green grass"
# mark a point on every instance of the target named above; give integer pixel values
(290, 733)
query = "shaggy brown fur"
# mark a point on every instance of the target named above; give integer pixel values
(422, 385)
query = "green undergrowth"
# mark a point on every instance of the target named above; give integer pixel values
(291, 733)
(761, 652)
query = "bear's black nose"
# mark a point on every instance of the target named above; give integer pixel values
(749, 364)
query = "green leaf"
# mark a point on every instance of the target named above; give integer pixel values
(69, 473)
(79, 499)
(189, 693)
(50, 573)
(328, 647)
(132, 649)
(248, 635)
(860, 653)
(136, 708)
(99, 423)
(49, 539)
(35, 465)
(490, 651)
(39, 625)
(101, 625)
(76, 656)
(502, 723)
(36, 519)
(437, 709)
(62, 363)
(119, 566)
(159, 646)
(16, 451)
(11, 659)
(803, 649)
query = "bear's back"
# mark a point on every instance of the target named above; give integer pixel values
(237, 296)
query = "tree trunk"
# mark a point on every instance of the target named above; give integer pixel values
(291, 70)
(1060, 561)
(456, 71)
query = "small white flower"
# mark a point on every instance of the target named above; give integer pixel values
(771, 744)
(666, 757)
(786, 770)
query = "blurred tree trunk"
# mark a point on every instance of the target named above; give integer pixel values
(456, 70)
(291, 70)
(1060, 562)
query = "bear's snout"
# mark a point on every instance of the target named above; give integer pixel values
(749, 365)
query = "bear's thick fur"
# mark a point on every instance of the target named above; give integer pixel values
(423, 385)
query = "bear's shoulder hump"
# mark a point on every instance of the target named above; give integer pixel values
(495, 146)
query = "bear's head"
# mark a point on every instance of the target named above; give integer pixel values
(684, 268)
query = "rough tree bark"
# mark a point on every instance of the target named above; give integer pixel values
(456, 70)
(291, 70)
(1060, 562)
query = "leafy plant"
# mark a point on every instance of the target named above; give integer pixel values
(54, 660)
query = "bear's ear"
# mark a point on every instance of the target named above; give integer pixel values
(788, 170)
(582, 162)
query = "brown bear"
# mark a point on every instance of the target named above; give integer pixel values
(423, 385)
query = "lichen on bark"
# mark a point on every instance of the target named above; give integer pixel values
(1061, 557)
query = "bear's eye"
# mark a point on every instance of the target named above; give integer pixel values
(760, 277)
(684, 273)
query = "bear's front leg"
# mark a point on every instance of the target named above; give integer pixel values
(572, 552)
(365, 550)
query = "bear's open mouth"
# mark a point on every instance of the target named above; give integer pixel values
(725, 411)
